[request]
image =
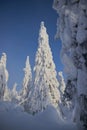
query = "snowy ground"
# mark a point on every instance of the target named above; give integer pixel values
(14, 118)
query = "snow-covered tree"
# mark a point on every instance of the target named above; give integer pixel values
(72, 30)
(61, 83)
(45, 86)
(14, 94)
(3, 75)
(2, 81)
(7, 94)
(27, 79)
(3, 62)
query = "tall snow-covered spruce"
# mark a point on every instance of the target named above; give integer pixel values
(45, 86)
(3, 76)
(72, 30)
(27, 79)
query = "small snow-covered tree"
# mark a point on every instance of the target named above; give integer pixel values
(3, 75)
(3, 62)
(14, 94)
(7, 94)
(2, 81)
(61, 83)
(45, 86)
(27, 79)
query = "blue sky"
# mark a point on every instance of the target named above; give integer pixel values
(19, 29)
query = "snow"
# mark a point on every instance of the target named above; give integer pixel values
(72, 30)
(70, 68)
(3, 62)
(7, 94)
(82, 82)
(67, 101)
(45, 85)
(14, 93)
(27, 79)
(13, 117)
(3, 75)
(6, 106)
(61, 83)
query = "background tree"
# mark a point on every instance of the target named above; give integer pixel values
(3, 76)
(27, 79)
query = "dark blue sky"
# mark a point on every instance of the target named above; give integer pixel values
(19, 28)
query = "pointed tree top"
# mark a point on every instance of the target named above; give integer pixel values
(42, 33)
(27, 60)
(42, 27)
(42, 23)
(3, 59)
(4, 54)
(27, 65)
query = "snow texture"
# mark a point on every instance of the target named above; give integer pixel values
(45, 86)
(3, 75)
(61, 83)
(72, 30)
(7, 94)
(27, 79)
(13, 117)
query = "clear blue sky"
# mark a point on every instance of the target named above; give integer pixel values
(19, 28)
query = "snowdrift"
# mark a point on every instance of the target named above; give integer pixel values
(13, 117)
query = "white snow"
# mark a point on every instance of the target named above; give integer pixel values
(27, 79)
(67, 100)
(7, 94)
(3, 75)
(61, 83)
(72, 30)
(45, 86)
(3, 62)
(13, 117)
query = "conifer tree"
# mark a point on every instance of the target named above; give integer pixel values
(45, 90)
(3, 76)
(27, 79)
(14, 94)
